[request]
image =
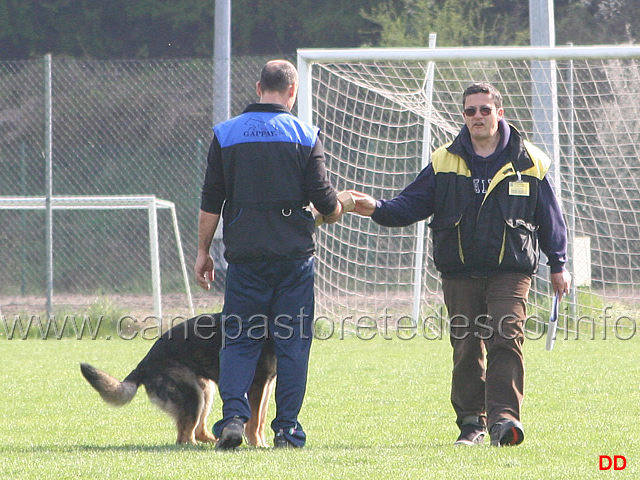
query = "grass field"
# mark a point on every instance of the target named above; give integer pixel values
(374, 409)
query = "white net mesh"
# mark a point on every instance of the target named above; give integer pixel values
(102, 229)
(373, 117)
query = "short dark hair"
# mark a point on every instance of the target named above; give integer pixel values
(278, 76)
(483, 87)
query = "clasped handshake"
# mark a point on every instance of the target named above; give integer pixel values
(350, 201)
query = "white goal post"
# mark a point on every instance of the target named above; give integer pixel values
(308, 57)
(383, 110)
(148, 202)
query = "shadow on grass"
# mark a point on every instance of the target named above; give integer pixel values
(108, 448)
(144, 448)
(203, 447)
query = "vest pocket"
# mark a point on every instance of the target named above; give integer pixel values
(447, 243)
(519, 250)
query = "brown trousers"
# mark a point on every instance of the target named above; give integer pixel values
(487, 314)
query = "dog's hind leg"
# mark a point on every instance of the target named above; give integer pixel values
(252, 427)
(264, 407)
(179, 392)
(201, 433)
(258, 397)
(184, 414)
(186, 431)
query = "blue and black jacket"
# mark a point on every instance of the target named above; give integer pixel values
(517, 216)
(265, 166)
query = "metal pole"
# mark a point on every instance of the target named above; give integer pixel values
(221, 81)
(23, 219)
(154, 250)
(222, 61)
(544, 95)
(545, 89)
(541, 23)
(48, 134)
(426, 156)
(185, 275)
(572, 189)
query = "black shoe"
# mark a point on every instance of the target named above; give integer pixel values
(471, 434)
(231, 436)
(280, 441)
(507, 432)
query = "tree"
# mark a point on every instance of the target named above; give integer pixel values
(170, 28)
(106, 29)
(456, 22)
(598, 21)
(17, 29)
(176, 28)
(184, 28)
(502, 22)
(265, 27)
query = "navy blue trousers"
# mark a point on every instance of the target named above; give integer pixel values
(278, 298)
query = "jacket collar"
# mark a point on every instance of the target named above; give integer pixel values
(514, 149)
(266, 107)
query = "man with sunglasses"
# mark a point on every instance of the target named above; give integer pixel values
(493, 209)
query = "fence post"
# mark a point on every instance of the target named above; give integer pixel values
(222, 61)
(48, 135)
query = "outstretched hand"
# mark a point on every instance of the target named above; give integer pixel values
(345, 204)
(365, 204)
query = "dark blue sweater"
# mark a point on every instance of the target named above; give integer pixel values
(416, 201)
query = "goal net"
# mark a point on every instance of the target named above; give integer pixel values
(382, 112)
(87, 231)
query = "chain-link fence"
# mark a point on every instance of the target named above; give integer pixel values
(119, 128)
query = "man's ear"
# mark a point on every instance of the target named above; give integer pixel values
(293, 90)
(258, 89)
(293, 93)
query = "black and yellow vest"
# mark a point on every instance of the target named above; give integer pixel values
(499, 237)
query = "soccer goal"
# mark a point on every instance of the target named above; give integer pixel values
(97, 236)
(382, 112)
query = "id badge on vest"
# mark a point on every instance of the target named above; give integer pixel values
(519, 188)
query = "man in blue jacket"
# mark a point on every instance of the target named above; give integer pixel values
(493, 210)
(265, 166)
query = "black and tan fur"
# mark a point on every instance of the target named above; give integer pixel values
(180, 373)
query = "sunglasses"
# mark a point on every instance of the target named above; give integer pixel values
(484, 111)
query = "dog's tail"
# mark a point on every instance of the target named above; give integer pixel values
(111, 390)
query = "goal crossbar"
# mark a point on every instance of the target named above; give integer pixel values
(85, 203)
(147, 202)
(308, 56)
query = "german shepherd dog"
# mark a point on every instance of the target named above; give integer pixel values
(179, 373)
